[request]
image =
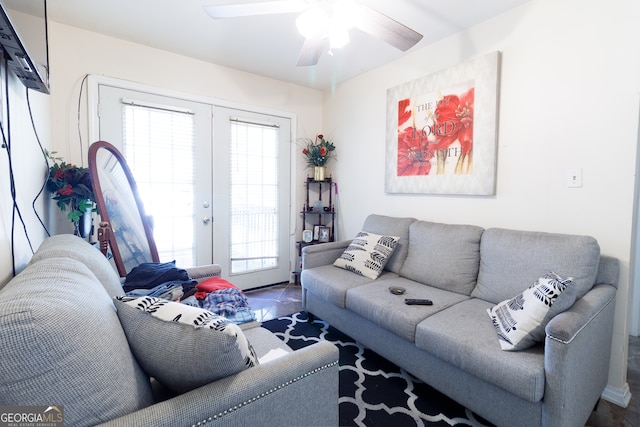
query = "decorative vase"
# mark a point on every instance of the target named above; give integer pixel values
(319, 173)
(82, 227)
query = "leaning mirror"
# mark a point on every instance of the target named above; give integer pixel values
(124, 224)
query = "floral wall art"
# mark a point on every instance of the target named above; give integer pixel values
(441, 131)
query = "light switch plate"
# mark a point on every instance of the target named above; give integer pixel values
(574, 178)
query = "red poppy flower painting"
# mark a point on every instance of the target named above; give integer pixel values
(442, 131)
(449, 123)
(414, 156)
(456, 115)
(404, 111)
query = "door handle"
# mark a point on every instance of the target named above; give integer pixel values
(206, 220)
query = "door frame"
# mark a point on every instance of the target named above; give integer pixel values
(93, 122)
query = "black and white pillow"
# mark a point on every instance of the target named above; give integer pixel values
(181, 346)
(520, 321)
(367, 254)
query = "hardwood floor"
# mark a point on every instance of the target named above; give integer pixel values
(275, 301)
(286, 298)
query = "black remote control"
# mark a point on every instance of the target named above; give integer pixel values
(411, 301)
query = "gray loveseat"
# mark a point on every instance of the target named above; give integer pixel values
(453, 345)
(63, 345)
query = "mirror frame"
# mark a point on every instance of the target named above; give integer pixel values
(107, 233)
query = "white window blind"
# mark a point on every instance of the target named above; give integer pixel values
(160, 150)
(254, 196)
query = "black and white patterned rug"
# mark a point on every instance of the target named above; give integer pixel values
(374, 391)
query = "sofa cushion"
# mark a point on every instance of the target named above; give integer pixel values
(57, 320)
(520, 321)
(332, 283)
(377, 304)
(511, 260)
(464, 336)
(181, 346)
(445, 256)
(391, 226)
(367, 254)
(70, 246)
(265, 343)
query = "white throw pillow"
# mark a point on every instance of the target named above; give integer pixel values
(520, 321)
(367, 254)
(181, 346)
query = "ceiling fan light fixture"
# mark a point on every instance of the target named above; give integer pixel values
(323, 22)
(311, 22)
(338, 37)
(347, 14)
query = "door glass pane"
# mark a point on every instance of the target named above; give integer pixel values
(254, 197)
(159, 146)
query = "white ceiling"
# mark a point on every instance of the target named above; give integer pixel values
(268, 45)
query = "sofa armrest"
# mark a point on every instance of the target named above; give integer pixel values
(203, 272)
(576, 358)
(323, 253)
(300, 388)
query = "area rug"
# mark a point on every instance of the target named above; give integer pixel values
(374, 391)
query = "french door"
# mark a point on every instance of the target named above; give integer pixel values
(254, 196)
(215, 180)
(158, 137)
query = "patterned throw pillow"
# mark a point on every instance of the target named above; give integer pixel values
(181, 346)
(367, 254)
(520, 321)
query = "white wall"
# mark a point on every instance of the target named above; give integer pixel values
(20, 237)
(570, 80)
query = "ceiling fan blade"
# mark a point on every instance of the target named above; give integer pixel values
(311, 51)
(387, 29)
(235, 10)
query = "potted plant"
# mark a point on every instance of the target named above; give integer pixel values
(71, 188)
(318, 152)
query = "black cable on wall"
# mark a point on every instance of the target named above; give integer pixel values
(5, 131)
(46, 163)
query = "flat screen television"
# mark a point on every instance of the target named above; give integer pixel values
(24, 37)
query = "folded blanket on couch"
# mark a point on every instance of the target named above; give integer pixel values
(148, 275)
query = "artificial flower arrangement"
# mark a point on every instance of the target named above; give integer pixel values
(71, 187)
(318, 152)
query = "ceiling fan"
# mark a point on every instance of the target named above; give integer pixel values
(325, 21)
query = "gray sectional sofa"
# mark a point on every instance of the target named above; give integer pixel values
(63, 345)
(453, 344)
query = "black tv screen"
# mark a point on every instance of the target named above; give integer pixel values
(23, 35)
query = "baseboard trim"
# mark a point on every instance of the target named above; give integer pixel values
(618, 396)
